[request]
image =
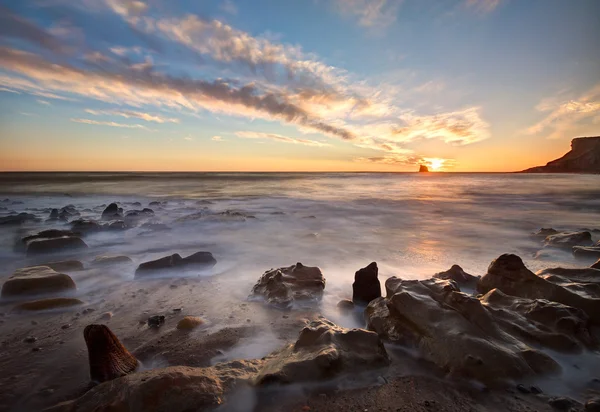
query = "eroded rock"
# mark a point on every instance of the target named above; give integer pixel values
(175, 261)
(457, 274)
(283, 286)
(108, 358)
(509, 274)
(18, 219)
(569, 239)
(50, 303)
(190, 322)
(112, 212)
(366, 286)
(36, 280)
(455, 331)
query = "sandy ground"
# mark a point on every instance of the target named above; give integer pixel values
(54, 367)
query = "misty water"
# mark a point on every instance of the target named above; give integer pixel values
(413, 225)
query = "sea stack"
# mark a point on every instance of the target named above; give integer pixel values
(423, 169)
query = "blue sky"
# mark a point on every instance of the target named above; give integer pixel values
(461, 85)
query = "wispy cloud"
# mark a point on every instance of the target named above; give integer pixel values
(565, 114)
(128, 114)
(188, 138)
(44, 102)
(483, 6)
(279, 138)
(111, 124)
(217, 139)
(370, 13)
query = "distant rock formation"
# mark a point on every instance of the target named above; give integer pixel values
(584, 157)
(423, 169)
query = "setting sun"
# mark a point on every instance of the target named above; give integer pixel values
(435, 164)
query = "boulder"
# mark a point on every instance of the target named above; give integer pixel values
(509, 274)
(324, 351)
(190, 322)
(567, 240)
(112, 212)
(146, 212)
(345, 305)
(36, 280)
(366, 286)
(455, 331)
(49, 234)
(85, 226)
(53, 245)
(50, 303)
(458, 275)
(111, 260)
(175, 261)
(283, 286)
(18, 219)
(65, 265)
(586, 251)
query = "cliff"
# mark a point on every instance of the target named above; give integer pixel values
(584, 157)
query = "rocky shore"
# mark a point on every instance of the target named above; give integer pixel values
(166, 339)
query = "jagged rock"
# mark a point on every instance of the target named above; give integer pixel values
(111, 260)
(175, 261)
(587, 251)
(457, 274)
(423, 169)
(564, 403)
(509, 274)
(545, 232)
(18, 219)
(156, 321)
(65, 213)
(596, 265)
(112, 212)
(324, 350)
(146, 212)
(53, 245)
(108, 358)
(157, 203)
(584, 157)
(456, 331)
(283, 286)
(190, 322)
(366, 286)
(85, 226)
(585, 282)
(592, 405)
(567, 240)
(50, 303)
(36, 280)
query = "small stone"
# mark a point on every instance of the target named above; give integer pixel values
(177, 309)
(189, 323)
(535, 390)
(61, 342)
(173, 286)
(88, 310)
(285, 316)
(521, 388)
(106, 316)
(66, 326)
(156, 321)
(33, 322)
(36, 349)
(248, 320)
(30, 339)
(47, 392)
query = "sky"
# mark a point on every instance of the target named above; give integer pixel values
(296, 85)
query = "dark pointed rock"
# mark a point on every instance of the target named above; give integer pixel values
(366, 286)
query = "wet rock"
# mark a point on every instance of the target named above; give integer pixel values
(521, 388)
(569, 239)
(366, 286)
(156, 321)
(535, 390)
(50, 303)
(189, 323)
(88, 310)
(564, 403)
(545, 232)
(30, 339)
(509, 274)
(106, 316)
(146, 212)
(586, 251)
(54, 245)
(283, 286)
(596, 265)
(66, 326)
(457, 274)
(53, 214)
(36, 280)
(323, 351)
(345, 305)
(65, 265)
(157, 203)
(111, 260)
(175, 261)
(18, 219)
(592, 405)
(49, 234)
(108, 358)
(112, 212)
(86, 226)
(585, 282)
(456, 331)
